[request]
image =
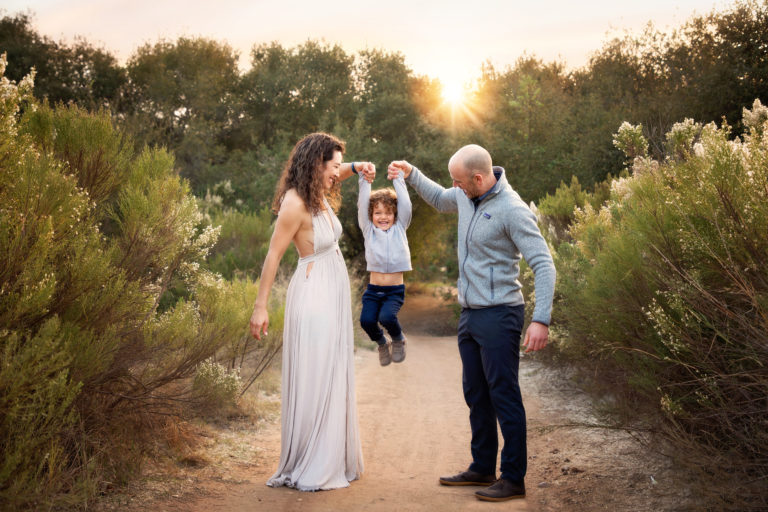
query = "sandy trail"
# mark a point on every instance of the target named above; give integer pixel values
(414, 427)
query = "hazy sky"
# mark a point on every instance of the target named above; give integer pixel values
(445, 39)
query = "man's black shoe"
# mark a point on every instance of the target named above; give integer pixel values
(502, 490)
(468, 478)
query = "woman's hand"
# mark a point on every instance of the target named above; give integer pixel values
(367, 170)
(259, 322)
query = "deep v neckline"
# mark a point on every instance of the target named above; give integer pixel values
(326, 214)
(328, 220)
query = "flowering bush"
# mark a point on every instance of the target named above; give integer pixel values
(665, 290)
(215, 385)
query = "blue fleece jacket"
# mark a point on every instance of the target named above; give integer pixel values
(492, 238)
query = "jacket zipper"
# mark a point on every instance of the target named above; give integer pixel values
(491, 282)
(470, 229)
(466, 256)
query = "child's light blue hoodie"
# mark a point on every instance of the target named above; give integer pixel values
(386, 251)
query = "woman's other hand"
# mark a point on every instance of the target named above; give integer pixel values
(367, 170)
(259, 322)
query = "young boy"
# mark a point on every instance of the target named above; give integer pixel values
(383, 217)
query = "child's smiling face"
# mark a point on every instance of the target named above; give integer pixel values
(382, 217)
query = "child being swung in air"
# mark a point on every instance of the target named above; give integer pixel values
(383, 216)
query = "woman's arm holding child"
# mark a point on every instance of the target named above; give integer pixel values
(348, 169)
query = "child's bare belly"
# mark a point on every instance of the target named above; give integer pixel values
(381, 279)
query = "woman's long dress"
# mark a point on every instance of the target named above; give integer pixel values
(320, 444)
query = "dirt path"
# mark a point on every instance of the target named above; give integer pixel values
(414, 428)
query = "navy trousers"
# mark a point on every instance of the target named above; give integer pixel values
(380, 306)
(489, 345)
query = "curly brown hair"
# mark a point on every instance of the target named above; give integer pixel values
(385, 196)
(302, 172)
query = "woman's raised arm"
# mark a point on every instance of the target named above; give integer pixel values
(365, 169)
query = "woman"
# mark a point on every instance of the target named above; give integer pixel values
(320, 446)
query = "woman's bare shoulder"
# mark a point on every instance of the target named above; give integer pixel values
(293, 204)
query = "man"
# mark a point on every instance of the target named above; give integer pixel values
(495, 229)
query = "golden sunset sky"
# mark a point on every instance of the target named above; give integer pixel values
(445, 39)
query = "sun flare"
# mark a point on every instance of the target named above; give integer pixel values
(453, 92)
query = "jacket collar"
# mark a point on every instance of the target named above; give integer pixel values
(501, 182)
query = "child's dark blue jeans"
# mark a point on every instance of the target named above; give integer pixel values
(380, 306)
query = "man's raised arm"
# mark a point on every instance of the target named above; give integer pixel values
(437, 196)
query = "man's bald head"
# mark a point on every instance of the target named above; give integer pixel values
(471, 170)
(473, 159)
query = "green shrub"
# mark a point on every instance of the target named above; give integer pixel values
(93, 236)
(243, 243)
(226, 310)
(557, 209)
(663, 293)
(557, 212)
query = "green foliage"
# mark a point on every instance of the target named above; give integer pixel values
(663, 289)
(93, 235)
(387, 121)
(523, 123)
(432, 239)
(540, 122)
(37, 403)
(246, 180)
(680, 139)
(181, 95)
(291, 92)
(227, 310)
(558, 209)
(719, 59)
(243, 244)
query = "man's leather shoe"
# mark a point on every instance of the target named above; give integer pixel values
(468, 478)
(502, 490)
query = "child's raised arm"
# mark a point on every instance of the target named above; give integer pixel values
(404, 207)
(363, 197)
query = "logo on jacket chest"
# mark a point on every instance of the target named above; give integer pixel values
(485, 228)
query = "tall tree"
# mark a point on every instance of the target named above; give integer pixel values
(291, 92)
(181, 95)
(80, 73)
(718, 62)
(522, 115)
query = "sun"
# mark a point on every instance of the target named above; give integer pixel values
(453, 92)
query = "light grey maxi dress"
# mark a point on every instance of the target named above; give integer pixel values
(320, 441)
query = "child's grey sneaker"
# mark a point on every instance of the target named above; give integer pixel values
(384, 356)
(398, 351)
